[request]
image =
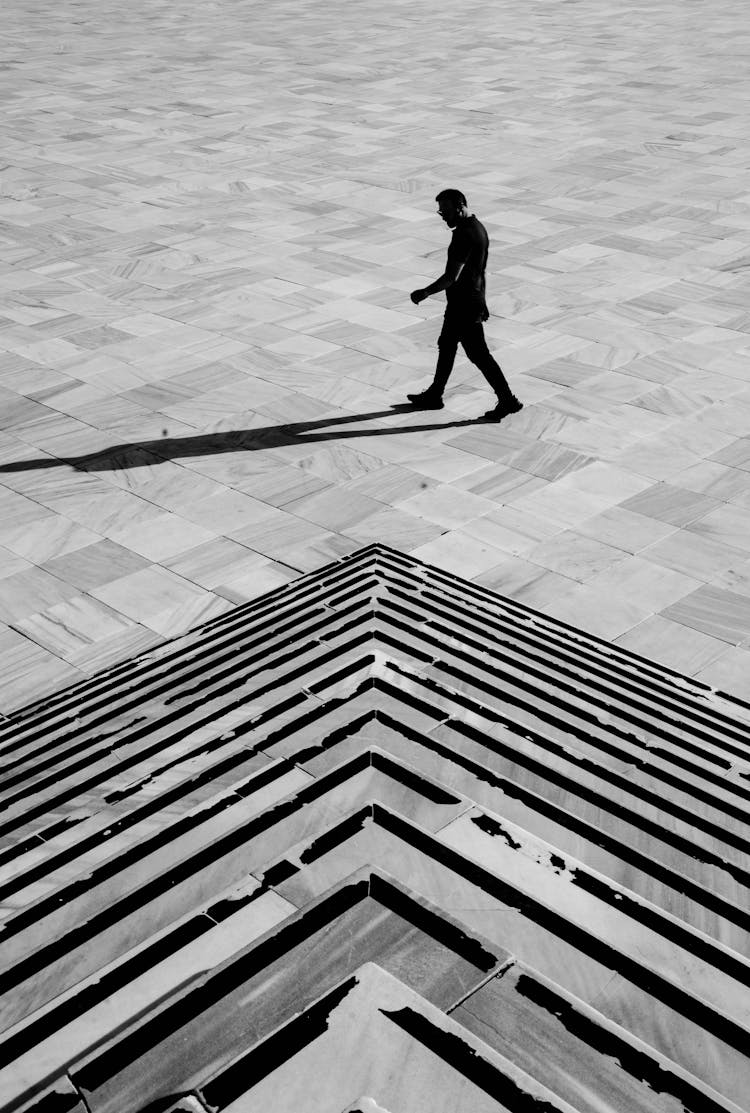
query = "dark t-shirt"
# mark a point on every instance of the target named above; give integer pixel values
(469, 245)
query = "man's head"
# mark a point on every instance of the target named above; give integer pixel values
(452, 206)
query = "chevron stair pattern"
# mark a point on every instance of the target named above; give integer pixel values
(382, 841)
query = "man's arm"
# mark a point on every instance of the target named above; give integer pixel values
(452, 270)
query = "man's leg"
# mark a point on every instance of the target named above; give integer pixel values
(447, 348)
(475, 346)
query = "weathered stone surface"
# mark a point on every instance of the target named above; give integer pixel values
(379, 763)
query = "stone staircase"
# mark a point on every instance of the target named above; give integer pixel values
(380, 840)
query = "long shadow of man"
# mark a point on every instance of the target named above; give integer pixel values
(146, 453)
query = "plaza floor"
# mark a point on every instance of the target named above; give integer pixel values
(211, 216)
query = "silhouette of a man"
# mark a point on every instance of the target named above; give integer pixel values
(464, 285)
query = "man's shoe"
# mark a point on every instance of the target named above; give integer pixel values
(504, 409)
(427, 400)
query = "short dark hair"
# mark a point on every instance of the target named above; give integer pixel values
(454, 195)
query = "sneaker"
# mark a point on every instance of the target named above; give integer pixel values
(427, 400)
(503, 409)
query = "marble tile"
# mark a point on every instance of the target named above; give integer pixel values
(548, 461)
(333, 509)
(396, 528)
(536, 419)
(714, 611)
(529, 583)
(149, 594)
(229, 512)
(694, 556)
(696, 435)
(393, 483)
(237, 589)
(74, 624)
(728, 525)
(716, 480)
(162, 537)
(129, 641)
(566, 372)
(282, 485)
(735, 455)
(597, 439)
(339, 463)
(604, 480)
(96, 564)
(576, 556)
(458, 552)
(179, 492)
(600, 611)
(47, 538)
(300, 346)
(511, 530)
(659, 367)
(20, 511)
(101, 512)
(562, 505)
(491, 442)
(736, 578)
(499, 482)
(24, 593)
(670, 643)
(651, 457)
(446, 506)
(319, 551)
(652, 585)
(10, 563)
(729, 673)
(215, 562)
(277, 538)
(710, 383)
(678, 401)
(730, 417)
(30, 672)
(443, 463)
(670, 504)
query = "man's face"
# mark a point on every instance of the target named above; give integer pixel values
(448, 212)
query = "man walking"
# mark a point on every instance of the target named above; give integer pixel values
(464, 284)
